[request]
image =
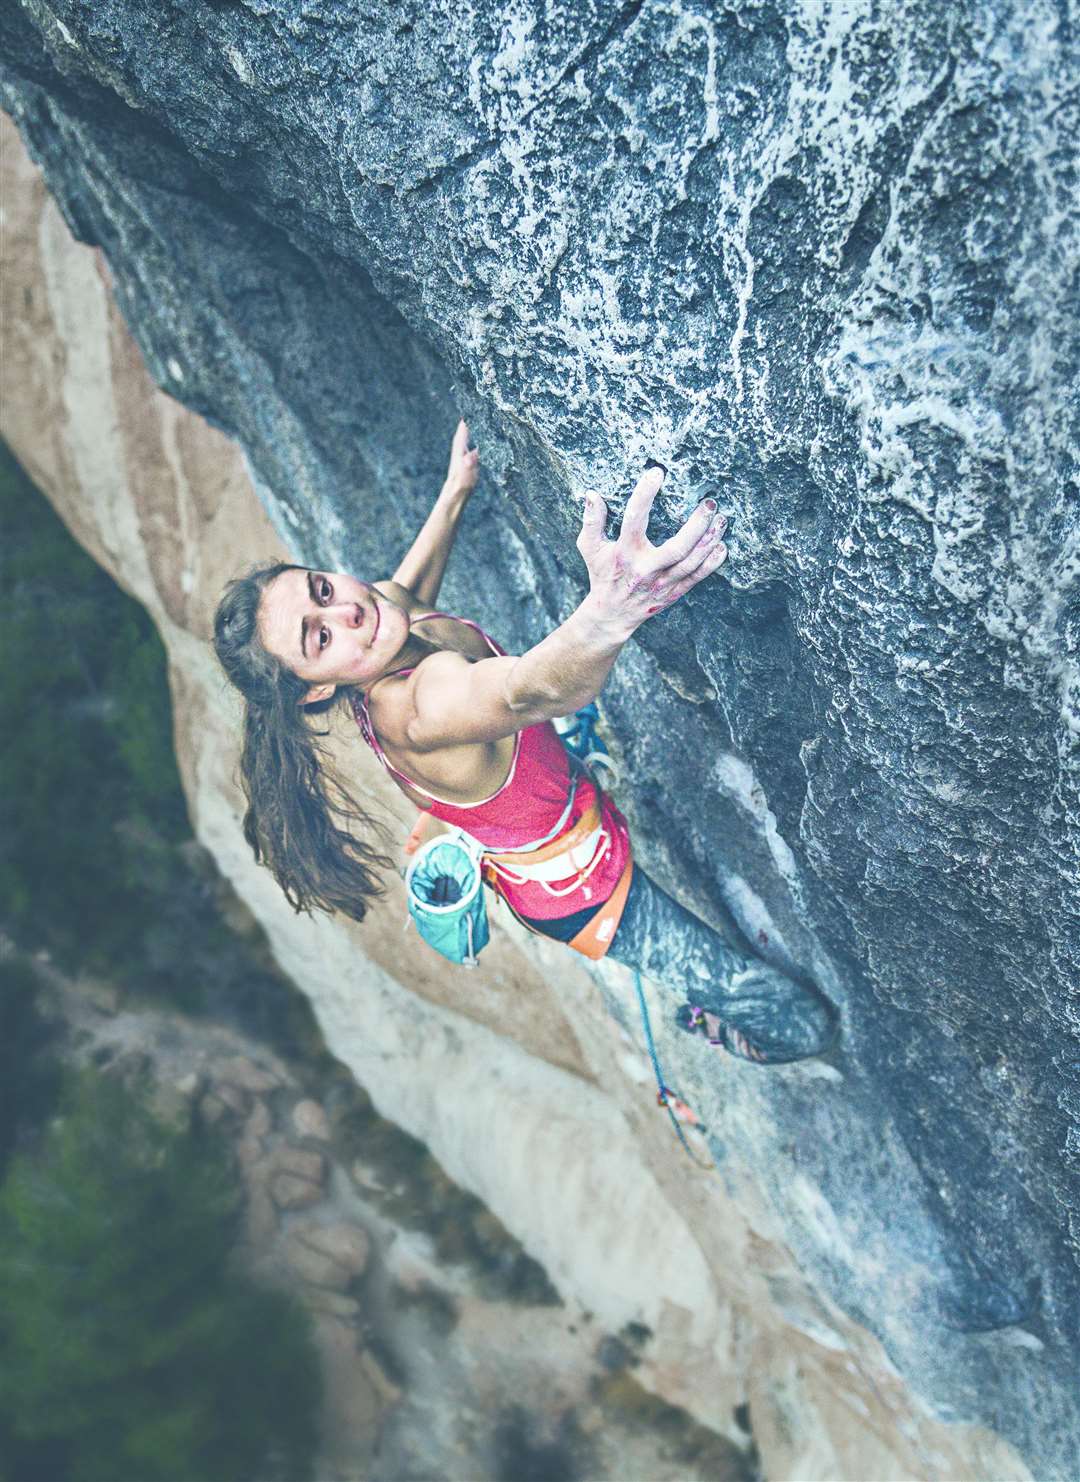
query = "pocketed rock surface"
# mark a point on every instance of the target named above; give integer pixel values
(819, 260)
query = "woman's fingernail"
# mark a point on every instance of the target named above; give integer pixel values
(710, 504)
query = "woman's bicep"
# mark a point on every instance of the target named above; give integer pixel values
(457, 701)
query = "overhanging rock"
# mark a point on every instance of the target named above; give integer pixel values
(822, 262)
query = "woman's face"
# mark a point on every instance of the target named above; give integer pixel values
(330, 629)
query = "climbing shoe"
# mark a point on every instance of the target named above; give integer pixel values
(765, 1017)
(691, 1017)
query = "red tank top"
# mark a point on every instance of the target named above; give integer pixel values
(533, 803)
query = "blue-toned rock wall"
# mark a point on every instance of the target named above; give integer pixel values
(822, 261)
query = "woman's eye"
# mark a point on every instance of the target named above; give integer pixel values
(324, 638)
(326, 591)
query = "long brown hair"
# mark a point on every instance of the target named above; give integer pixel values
(299, 812)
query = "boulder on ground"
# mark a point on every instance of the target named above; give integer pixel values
(348, 1245)
(310, 1120)
(290, 1192)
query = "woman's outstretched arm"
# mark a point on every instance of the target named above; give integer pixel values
(453, 701)
(422, 569)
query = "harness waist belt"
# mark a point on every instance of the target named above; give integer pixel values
(559, 866)
(589, 824)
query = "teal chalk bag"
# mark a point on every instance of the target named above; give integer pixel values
(446, 897)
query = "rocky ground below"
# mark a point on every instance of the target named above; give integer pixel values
(447, 1352)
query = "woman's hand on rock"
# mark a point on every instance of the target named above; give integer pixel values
(464, 467)
(631, 579)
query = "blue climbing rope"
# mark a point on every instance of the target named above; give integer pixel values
(579, 736)
(663, 1092)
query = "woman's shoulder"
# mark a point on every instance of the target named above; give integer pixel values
(399, 594)
(395, 700)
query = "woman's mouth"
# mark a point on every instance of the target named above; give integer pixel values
(375, 613)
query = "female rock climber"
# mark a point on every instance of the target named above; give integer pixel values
(465, 730)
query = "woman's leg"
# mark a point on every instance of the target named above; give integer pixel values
(780, 1019)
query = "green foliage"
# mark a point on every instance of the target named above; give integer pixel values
(29, 1075)
(86, 742)
(128, 1352)
(97, 863)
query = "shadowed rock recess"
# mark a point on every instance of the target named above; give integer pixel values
(821, 260)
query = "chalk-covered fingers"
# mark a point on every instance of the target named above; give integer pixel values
(635, 520)
(702, 526)
(460, 443)
(464, 467)
(593, 518)
(705, 555)
(702, 562)
(631, 580)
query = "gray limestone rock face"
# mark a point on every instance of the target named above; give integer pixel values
(821, 260)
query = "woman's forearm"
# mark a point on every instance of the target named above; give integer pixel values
(422, 568)
(567, 669)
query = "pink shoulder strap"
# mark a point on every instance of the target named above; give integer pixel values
(468, 623)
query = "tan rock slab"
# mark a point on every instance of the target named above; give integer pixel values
(233, 1097)
(384, 1387)
(238, 1070)
(315, 1267)
(302, 1161)
(290, 1192)
(331, 1304)
(348, 1245)
(259, 1122)
(260, 1219)
(309, 1120)
(249, 1154)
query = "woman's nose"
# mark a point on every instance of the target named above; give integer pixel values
(350, 614)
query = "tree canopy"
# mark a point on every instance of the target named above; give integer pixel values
(130, 1352)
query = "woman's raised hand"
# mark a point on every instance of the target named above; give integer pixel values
(631, 579)
(464, 468)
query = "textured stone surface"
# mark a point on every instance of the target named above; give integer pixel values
(819, 260)
(315, 1266)
(301, 1162)
(289, 1191)
(347, 1245)
(527, 1091)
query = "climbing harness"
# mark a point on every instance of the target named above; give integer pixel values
(580, 848)
(447, 904)
(444, 897)
(665, 1096)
